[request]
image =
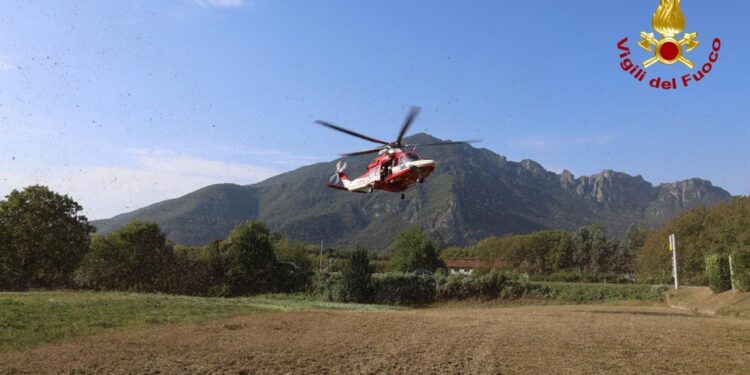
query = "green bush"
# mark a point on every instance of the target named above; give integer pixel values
(595, 292)
(329, 286)
(135, 258)
(717, 268)
(485, 286)
(357, 275)
(242, 264)
(741, 268)
(584, 277)
(403, 289)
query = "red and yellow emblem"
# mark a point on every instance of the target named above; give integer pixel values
(668, 21)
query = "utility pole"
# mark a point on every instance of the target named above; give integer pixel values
(673, 247)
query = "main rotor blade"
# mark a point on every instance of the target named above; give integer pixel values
(363, 152)
(353, 133)
(445, 143)
(413, 112)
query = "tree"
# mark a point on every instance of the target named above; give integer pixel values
(581, 248)
(135, 257)
(45, 237)
(602, 251)
(357, 276)
(624, 259)
(243, 263)
(414, 250)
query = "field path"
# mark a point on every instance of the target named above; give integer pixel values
(521, 339)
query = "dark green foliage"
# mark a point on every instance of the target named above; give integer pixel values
(602, 252)
(594, 292)
(405, 289)
(43, 238)
(138, 258)
(700, 232)
(357, 275)
(242, 264)
(741, 269)
(329, 286)
(584, 277)
(413, 250)
(287, 280)
(717, 268)
(624, 258)
(484, 287)
(10, 261)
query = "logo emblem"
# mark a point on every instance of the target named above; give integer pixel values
(668, 21)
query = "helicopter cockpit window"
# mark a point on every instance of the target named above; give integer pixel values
(409, 157)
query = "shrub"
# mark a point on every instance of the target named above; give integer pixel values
(485, 287)
(242, 264)
(595, 292)
(717, 268)
(403, 289)
(329, 286)
(135, 257)
(287, 281)
(741, 269)
(357, 275)
(584, 277)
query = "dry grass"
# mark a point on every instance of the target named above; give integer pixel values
(520, 339)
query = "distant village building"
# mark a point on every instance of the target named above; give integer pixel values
(468, 265)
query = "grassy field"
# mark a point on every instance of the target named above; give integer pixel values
(534, 339)
(95, 332)
(32, 318)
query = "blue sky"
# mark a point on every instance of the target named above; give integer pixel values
(122, 104)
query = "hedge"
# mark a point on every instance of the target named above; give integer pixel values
(403, 289)
(717, 268)
(741, 269)
(484, 287)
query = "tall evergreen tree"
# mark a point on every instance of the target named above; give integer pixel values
(581, 248)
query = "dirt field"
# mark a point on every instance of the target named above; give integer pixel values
(521, 339)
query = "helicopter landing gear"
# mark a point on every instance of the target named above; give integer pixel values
(420, 180)
(403, 196)
(370, 189)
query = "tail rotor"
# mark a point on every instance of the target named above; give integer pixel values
(336, 177)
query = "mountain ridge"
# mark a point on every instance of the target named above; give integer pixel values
(475, 193)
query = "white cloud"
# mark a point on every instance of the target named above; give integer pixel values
(157, 175)
(220, 3)
(549, 142)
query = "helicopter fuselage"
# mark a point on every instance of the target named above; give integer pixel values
(393, 171)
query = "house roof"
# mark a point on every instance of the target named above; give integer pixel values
(471, 263)
(462, 263)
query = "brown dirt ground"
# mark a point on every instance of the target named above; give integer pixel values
(444, 339)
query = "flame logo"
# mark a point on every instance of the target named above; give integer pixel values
(668, 19)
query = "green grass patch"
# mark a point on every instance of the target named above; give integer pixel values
(583, 292)
(31, 318)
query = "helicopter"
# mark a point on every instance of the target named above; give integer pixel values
(396, 168)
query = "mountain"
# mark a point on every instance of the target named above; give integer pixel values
(474, 194)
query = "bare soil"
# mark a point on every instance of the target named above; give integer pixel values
(445, 339)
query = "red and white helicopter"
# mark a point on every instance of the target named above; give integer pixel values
(393, 170)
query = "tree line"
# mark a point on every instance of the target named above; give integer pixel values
(45, 242)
